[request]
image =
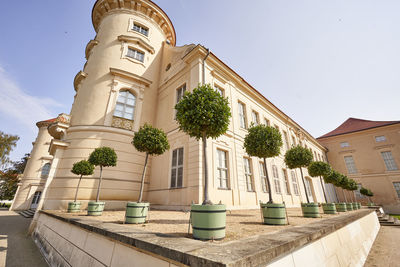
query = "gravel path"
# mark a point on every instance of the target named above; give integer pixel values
(385, 250)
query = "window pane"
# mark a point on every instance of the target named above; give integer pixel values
(180, 177)
(119, 107)
(173, 178)
(130, 102)
(180, 158)
(397, 188)
(389, 161)
(351, 167)
(118, 113)
(174, 157)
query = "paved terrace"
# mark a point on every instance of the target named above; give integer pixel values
(247, 239)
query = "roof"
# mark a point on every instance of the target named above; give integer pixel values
(355, 125)
(45, 122)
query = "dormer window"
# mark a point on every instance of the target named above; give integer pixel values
(135, 54)
(141, 29)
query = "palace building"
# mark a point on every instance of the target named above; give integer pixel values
(135, 74)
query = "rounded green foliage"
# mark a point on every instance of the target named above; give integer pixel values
(334, 178)
(344, 182)
(319, 168)
(263, 141)
(370, 194)
(150, 140)
(298, 157)
(103, 156)
(352, 185)
(364, 191)
(82, 167)
(203, 112)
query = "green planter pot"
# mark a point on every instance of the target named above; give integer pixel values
(310, 210)
(341, 207)
(349, 206)
(95, 208)
(274, 214)
(329, 208)
(74, 207)
(355, 206)
(136, 212)
(208, 221)
(359, 205)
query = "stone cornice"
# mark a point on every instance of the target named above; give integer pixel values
(89, 47)
(145, 7)
(130, 76)
(56, 144)
(78, 78)
(136, 40)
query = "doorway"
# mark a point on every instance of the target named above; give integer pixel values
(35, 200)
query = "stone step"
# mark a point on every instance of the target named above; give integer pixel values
(27, 213)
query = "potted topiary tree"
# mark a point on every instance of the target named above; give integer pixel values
(81, 168)
(322, 169)
(299, 157)
(201, 114)
(352, 187)
(335, 178)
(152, 141)
(344, 184)
(103, 157)
(265, 142)
(370, 194)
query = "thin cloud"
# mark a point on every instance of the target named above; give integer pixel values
(24, 108)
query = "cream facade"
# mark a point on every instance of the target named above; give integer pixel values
(368, 152)
(135, 74)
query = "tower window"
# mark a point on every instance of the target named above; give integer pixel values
(125, 106)
(45, 171)
(132, 53)
(141, 29)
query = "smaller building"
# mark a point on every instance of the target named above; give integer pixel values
(368, 152)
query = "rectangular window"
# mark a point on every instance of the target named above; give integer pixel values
(286, 140)
(389, 161)
(248, 174)
(344, 144)
(177, 168)
(397, 188)
(266, 122)
(294, 140)
(263, 175)
(315, 156)
(319, 157)
(286, 182)
(242, 115)
(219, 90)
(350, 165)
(294, 183)
(277, 183)
(222, 169)
(380, 138)
(132, 53)
(139, 28)
(276, 127)
(179, 94)
(254, 116)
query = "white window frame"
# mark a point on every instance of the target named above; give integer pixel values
(389, 161)
(277, 183)
(286, 140)
(135, 54)
(255, 117)
(242, 115)
(344, 144)
(286, 182)
(219, 90)
(295, 183)
(138, 27)
(396, 186)
(180, 91)
(222, 168)
(380, 138)
(267, 122)
(45, 170)
(350, 164)
(263, 177)
(125, 104)
(248, 174)
(176, 167)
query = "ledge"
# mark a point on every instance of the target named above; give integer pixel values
(136, 40)
(78, 78)
(260, 249)
(130, 76)
(89, 47)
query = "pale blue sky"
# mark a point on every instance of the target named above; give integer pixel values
(320, 62)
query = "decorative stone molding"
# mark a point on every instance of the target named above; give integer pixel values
(57, 144)
(143, 7)
(122, 123)
(58, 128)
(136, 40)
(130, 76)
(78, 78)
(89, 47)
(384, 146)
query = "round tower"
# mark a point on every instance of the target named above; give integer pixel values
(116, 92)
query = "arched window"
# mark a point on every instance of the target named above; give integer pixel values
(125, 106)
(45, 170)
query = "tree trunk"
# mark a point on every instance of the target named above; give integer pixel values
(323, 189)
(269, 183)
(143, 174)
(76, 193)
(98, 189)
(206, 197)
(305, 188)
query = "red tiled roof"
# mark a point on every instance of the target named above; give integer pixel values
(354, 125)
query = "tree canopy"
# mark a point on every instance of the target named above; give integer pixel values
(204, 112)
(150, 140)
(344, 182)
(319, 168)
(82, 167)
(7, 143)
(10, 177)
(103, 156)
(298, 157)
(334, 178)
(263, 141)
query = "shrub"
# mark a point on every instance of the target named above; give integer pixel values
(81, 168)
